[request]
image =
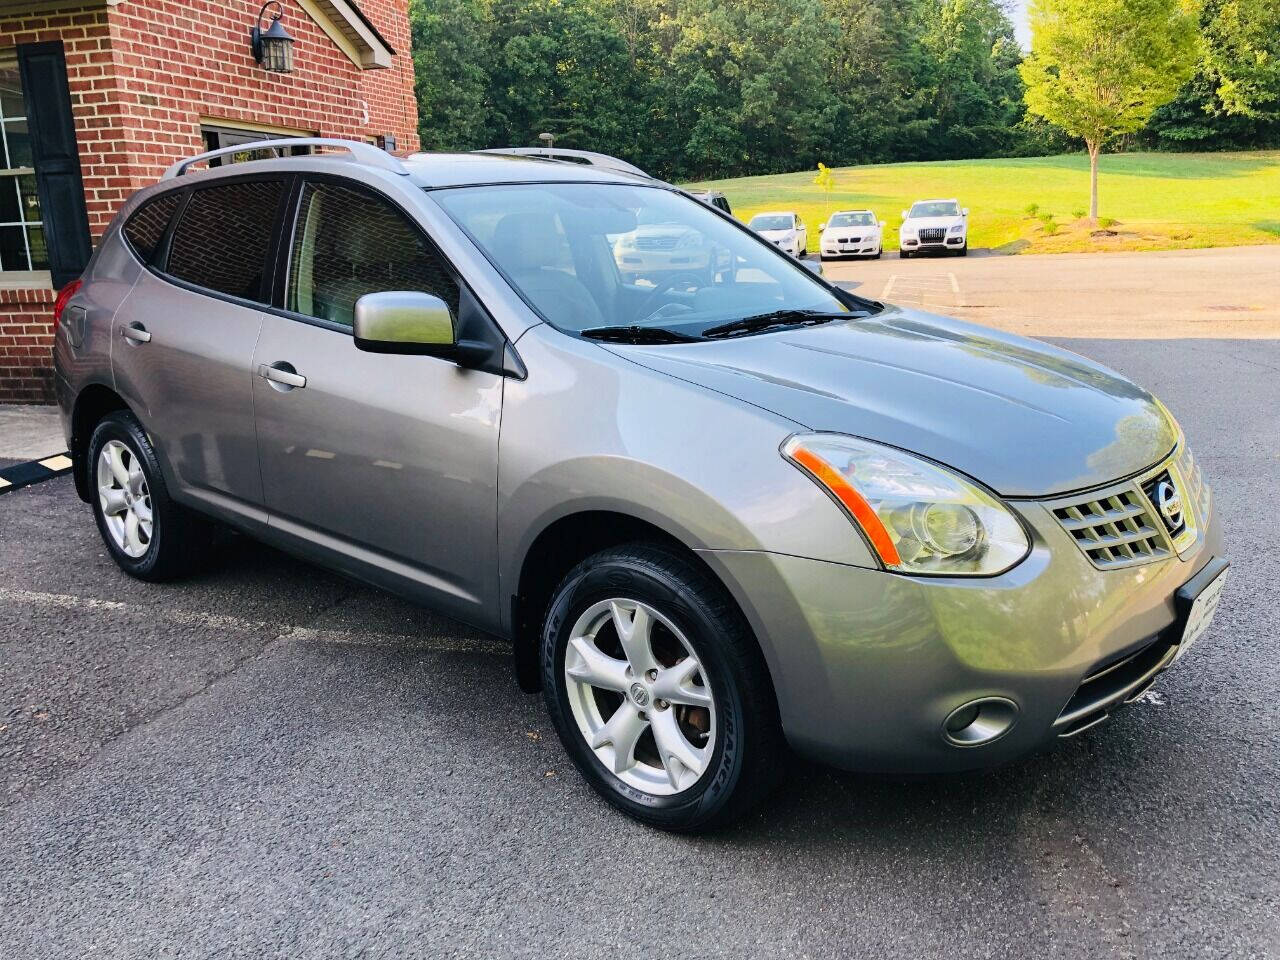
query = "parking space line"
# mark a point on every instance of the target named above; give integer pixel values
(888, 287)
(187, 618)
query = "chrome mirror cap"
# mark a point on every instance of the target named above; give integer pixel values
(403, 321)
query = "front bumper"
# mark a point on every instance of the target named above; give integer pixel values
(841, 248)
(868, 665)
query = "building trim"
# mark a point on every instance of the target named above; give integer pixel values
(351, 31)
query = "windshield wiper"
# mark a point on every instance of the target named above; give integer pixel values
(638, 335)
(777, 318)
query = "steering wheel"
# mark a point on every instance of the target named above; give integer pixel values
(686, 278)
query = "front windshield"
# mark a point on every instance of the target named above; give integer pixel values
(773, 221)
(935, 208)
(851, 220)
(593, 255)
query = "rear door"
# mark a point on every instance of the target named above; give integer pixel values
(378, 464)
(183, 340)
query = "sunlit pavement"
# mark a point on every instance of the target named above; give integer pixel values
(270, 761)
(1231, 292)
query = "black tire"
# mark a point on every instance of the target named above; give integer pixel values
(180, 539)
(964, 251)
(904, 254)
(748, 747)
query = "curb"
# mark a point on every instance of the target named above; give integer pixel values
(34, 471)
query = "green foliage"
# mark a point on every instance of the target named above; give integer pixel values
(1079, 213)
(451, 79)
(1049, 228)
(1106, 223)
(1234, 97)
(1046, 218)
(1032, 209)
(1100, 68)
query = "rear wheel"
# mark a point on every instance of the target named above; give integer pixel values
(147, 534)
(658, 690)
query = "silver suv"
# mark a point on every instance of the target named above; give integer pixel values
(717, 513)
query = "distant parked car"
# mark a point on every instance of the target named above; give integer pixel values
(784, 229)
(713, 197)
(934, 225)
(851, 233)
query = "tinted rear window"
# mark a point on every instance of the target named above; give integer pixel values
(145, 229)
(222, 239)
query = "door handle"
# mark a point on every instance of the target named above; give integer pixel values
(135, 332)
(282, 374)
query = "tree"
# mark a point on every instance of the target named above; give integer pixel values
(451, 82)
(1234, 97)
(1100, 68)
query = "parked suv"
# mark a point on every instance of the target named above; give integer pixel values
(714, 517)
(938, 225)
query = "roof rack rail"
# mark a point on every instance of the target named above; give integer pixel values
(365, 153)
(564, 155)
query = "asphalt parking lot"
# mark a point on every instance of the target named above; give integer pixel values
(268, 760)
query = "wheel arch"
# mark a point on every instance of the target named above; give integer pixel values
(92, 403)
(560, 546)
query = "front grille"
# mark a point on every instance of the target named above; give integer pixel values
(1114, 683)
(655, 243)
(1152, 487)
(1115, 529)
(850, 239)
(932, 235)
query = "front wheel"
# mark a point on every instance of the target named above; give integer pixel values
(658, 691)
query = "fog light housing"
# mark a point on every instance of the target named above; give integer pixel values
(980, 722)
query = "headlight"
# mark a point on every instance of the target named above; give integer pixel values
(908, 232)
(918, 517)
(957, 228)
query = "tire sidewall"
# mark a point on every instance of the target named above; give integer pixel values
(619, 577)
(123, 427)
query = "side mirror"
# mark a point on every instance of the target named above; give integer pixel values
(883, 224)
(965, 211)
(904, 214)
(403, 321)
(813, 266)
(406, 321)
(822, 226)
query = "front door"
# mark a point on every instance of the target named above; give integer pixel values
(183, 340)
(382, 465)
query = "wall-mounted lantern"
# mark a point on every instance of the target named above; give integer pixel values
(273, 47)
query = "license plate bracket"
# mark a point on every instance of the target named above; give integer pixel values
(1197, 602)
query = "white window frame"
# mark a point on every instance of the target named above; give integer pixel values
(37, 277)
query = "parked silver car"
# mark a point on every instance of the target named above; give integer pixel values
(714, 517)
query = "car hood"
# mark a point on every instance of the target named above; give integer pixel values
(924, 223)
(837, 232)
(1023, 417)
(777, 234)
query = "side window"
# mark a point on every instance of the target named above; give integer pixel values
(145, 229)
(222, 239)
(348, 242)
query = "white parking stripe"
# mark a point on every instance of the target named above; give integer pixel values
(888, 287)
(955, 286)
(188, 618)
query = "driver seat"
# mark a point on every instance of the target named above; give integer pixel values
(526, 246)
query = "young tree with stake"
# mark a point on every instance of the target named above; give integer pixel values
(1099, 68)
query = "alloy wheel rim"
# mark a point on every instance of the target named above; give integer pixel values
(640, 696)
(125, 499)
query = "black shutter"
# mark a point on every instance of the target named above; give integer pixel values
(53, 144)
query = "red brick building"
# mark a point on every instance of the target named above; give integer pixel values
(98, 97)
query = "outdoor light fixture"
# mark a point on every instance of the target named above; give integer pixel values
(272, 48)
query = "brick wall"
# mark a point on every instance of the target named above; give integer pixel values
(145, 73)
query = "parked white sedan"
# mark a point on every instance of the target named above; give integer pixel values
(851, 233)
(934, 225)
(784, 229)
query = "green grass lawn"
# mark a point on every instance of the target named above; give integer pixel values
(1159, 201)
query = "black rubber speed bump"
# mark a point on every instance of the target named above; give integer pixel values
(33, 471)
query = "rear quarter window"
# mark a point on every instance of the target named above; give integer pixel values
(222, 239)
(145, 229)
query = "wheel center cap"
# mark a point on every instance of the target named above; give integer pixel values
(639, 695)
